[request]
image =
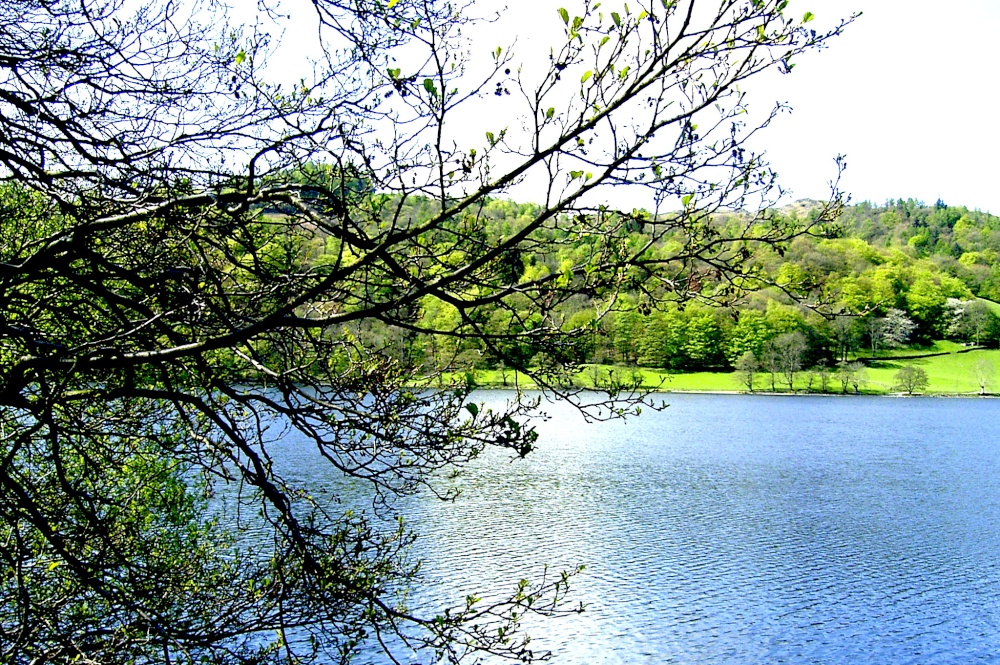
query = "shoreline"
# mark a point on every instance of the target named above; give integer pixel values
(970, 374)
(815, 394)
(762, 393)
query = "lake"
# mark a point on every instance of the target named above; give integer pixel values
(742, 529)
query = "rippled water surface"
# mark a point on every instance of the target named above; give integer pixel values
(741, 529)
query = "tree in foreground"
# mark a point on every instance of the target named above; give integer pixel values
(197, 260)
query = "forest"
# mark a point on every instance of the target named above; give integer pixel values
(880, 277)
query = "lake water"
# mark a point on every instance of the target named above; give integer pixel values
(743, 529)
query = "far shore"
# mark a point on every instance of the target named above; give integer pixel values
(967, 373)
(763, 393)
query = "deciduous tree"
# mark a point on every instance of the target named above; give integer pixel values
(770, 361)
(164, 316)
(746, 369)
(851, 374)
(790, 348)
(911, 378)
(985, 372)
(844, 330)
(888, 331)
(969, 319)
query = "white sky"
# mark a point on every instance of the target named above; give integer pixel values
(909, 94)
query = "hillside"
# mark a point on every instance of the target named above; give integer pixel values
(882, 277)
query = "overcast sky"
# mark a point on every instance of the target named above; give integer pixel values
(909, 94)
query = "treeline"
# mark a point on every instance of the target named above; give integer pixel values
(961, 242)
(885, 276)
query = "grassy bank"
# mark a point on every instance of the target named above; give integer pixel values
(954, 373)
(935, 348)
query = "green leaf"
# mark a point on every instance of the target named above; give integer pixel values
(616, 18)
(489, 137)
(686, 200)
(565, 15)
(393, 3)
(472, 408)
(586, 75)
(430, 87)
(551, 112)
(393, 73)
(240, 57)
(808, 17)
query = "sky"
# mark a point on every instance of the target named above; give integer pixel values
(909, 94)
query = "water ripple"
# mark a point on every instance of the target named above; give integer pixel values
(743, 530)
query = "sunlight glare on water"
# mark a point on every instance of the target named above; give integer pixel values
(741, 529)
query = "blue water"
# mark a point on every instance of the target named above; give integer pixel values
(742, 529)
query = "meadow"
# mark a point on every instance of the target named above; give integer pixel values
(953, 370)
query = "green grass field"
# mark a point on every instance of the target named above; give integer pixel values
(951, 374)
(994, 306)
(940, 346)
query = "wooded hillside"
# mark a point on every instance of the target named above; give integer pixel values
(882, 276)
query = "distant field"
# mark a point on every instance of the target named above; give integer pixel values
(940, 346)
(951, 374)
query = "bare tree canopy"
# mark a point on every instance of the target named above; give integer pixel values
(194, 255)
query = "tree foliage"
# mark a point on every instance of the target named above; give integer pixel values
(198, 258)
(746, 368)
(912, 379)
(985, 373)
